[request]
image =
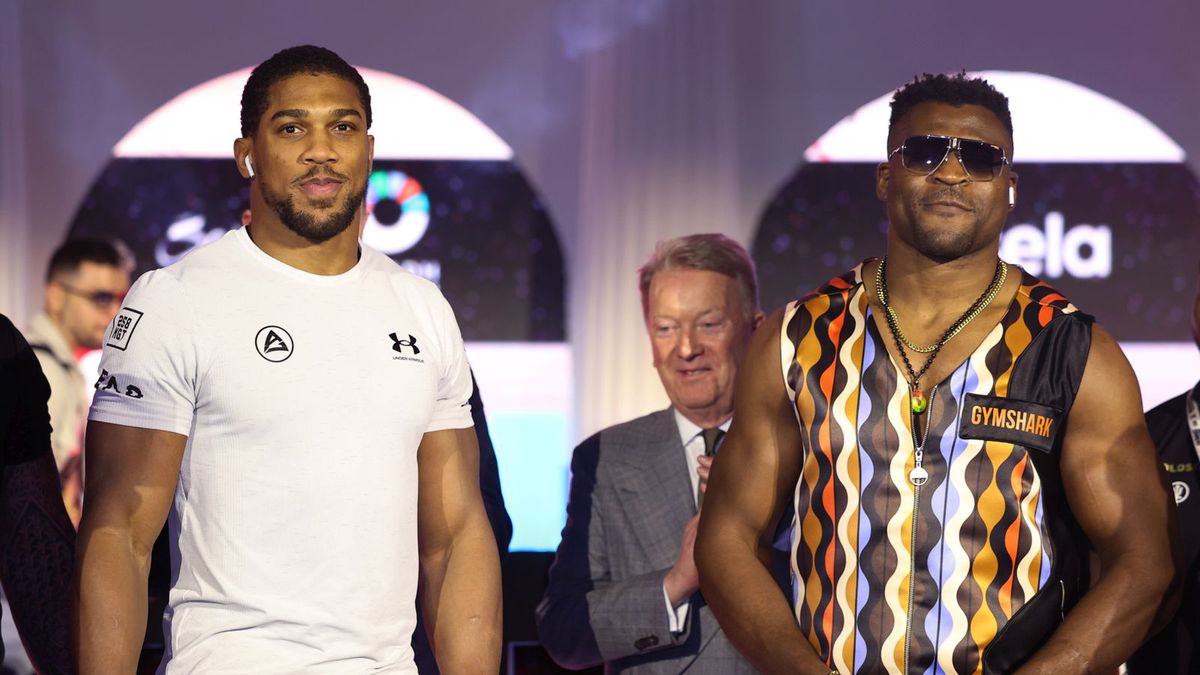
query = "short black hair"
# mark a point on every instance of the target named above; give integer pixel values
(956, 90)
(308, 59)
(70, 256)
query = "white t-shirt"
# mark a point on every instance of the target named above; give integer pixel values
(304, 398)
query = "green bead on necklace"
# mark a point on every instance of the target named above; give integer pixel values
(919, 403)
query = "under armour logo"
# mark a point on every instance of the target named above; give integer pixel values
(399, 345)
(273, 343)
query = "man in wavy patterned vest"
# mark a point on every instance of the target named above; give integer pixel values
(954, 435)
(623, 587)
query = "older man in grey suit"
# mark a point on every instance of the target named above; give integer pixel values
(623, 588)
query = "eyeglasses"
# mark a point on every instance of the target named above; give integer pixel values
(99, 299)
(924, 154)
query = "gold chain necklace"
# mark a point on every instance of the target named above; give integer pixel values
(894, 322)
(917, 400)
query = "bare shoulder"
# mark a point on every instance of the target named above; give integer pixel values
(1109, 385)
(1106, 418)
(762, 369)
(763, 421)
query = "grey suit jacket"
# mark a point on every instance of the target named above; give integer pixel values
(630, 499)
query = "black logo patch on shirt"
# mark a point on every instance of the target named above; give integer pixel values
(122, 328)
(108, 382)
(399, 345)
(992, 418)
(274, 343)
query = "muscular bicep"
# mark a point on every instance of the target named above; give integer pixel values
(1109, 465)
(448, 492)
(131, 475)
(756, 469)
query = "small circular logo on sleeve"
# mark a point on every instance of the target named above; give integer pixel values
(273, 343)
(1182, 491)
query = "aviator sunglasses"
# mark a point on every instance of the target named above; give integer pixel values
(924, 154)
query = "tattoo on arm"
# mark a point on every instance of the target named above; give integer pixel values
(38, 559)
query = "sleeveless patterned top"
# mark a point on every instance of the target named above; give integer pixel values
(972, 571)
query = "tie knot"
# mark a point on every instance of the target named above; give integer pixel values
(711, 438)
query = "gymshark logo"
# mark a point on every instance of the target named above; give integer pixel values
(274, 344)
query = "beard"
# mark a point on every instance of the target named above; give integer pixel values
(943, 241)
(943, 246)
(308, 225)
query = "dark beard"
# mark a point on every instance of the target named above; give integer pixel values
(307, 226)
(945, 247)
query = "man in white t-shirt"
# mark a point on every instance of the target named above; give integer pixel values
(298, 403)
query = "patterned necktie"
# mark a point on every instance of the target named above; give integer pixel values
(711, 438)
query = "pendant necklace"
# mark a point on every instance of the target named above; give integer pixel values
(919, 475)
(918, 403)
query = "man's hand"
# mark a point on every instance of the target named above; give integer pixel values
(702, 469)
(683, 578)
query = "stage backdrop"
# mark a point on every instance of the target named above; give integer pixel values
(446, 201)
(1107, 211)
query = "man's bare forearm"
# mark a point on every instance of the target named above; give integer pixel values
(110, 611)
(752, 612)
(461, 593)
(1108, 624)
(39, 555)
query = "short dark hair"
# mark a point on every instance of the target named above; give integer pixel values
(70, 256)
(706, 252)
(956, 90)
(308, 59)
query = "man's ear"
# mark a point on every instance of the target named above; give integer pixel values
(756, 320)
(55, 297)
(1012, 188)
(883, 173)
(370, 152)
(241, 151)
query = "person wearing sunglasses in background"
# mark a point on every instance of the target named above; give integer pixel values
(955, 435)
(86, 280)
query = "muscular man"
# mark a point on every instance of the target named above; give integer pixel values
(85, 283)
(302, 401)
(37, 541)
(954, 433)
(623, 587)
(1175, 428)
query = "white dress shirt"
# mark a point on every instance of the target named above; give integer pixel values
(693, 446)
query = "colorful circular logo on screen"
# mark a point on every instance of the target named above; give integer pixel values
(398, 212)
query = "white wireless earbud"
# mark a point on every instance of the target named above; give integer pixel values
(1012, 193)
(250, 167)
